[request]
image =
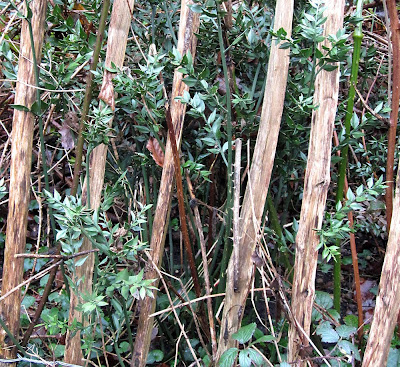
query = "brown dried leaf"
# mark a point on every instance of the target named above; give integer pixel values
(67, 140)
(107, 90)
(156, 152)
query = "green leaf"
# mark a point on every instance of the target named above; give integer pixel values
(251, 36)
(256, 357)
(264, 339)
(323, 299)
(329, 67)
(58, 350)
(155, 355)
(244, 359)
(228, 358)
(350, 195)
(28, 301)
(189, 81)
(125, 347)
(244, 334)
(345, 331)
(327, 333)
(393, 358)
(196, 8)
(81, 261)
(19, 107)
(350, 349)
(351, 320)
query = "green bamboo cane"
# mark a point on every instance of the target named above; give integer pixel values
(357, 37)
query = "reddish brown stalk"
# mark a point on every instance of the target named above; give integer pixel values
(181, 205)
(354, 258)
(395, 30)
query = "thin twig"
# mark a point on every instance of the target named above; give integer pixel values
(36, 276)
(236, 215)
(174, 309)
(56, 256)
(199, 226)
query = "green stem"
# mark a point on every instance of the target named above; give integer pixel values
(11, 336)
(88, 97)
(228, 218)
(169, 23)
(357, 37)
(130, 339)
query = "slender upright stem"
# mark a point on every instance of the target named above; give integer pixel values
(357, 36)
(88, 97)
(181, 205)
(228, 244)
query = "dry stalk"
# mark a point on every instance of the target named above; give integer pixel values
(161, 277)
(199, 226)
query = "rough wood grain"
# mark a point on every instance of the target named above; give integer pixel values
(394, 114)
(259, 177)
(388, 301)
(116, 46)
(316, 184)
(188, 26)
(20, 169)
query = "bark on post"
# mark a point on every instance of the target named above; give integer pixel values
(116, 46)
(188, 26)
(259, 177)
(388, 301)
(316, 186)
(20, 169)
(394, 114)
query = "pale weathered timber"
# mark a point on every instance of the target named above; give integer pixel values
(394, 114)
(116, 46)
(188, 26)
(20, 169)
(316, 184)
(388, 301)
(259, 177)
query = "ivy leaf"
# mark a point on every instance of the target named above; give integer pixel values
(155, 355)
(244, 334)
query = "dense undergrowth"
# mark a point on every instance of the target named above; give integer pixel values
(121, 229)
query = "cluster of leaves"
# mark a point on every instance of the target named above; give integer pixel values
(337, 226)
